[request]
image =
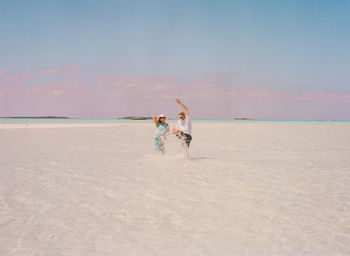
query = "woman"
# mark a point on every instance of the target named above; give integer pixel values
(162, 129)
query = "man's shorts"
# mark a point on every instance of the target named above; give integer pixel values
(186, 137)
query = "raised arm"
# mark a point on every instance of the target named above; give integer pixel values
(155, 120)
(178, 101)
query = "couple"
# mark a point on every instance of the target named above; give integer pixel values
(182, 131)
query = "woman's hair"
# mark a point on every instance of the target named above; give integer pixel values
(162, 118)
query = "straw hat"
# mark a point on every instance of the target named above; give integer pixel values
(161, 115)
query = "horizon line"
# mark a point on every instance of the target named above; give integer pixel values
(147, 119)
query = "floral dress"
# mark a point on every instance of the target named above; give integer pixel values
(162, 128)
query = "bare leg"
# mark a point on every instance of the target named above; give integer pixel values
(183, 143)
(162, 139)
(186, 150)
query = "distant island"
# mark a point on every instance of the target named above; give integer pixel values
(242, 118)
(136, 117)
(39, 117)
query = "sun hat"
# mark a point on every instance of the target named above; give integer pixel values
(162, 115)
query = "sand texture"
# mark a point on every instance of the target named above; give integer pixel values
(248, 189)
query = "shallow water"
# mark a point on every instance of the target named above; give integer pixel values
(247, 189)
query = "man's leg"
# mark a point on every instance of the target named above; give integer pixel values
(188, 139)
(185, 142)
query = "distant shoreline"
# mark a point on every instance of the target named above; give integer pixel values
(38, 117)
(136, 117)
(145, 118)
(242, 118)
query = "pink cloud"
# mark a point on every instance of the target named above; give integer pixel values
(324, 97)
(70, 71)
(167, 87)
(54, 89)
(70, 89)
(3, 72)
(256, 93)
(17, 79)
(140, 83)
(49, 71)
(56, 93)
(67, 71)
(104, 81)
(219, 78)
(137, 87)
(215, 86)
(114, 94)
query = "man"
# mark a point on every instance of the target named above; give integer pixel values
(184, 125)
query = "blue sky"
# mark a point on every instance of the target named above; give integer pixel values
(291, 46)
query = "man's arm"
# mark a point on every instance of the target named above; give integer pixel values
(175, 131)
(183, 106)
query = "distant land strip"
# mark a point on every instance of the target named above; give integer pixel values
(39, 117)
(136, 117)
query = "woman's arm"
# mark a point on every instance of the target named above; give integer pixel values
(167, 129)
(155, 120)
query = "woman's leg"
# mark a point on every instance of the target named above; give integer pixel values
(162, 148)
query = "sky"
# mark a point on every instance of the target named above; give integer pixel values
(262, 59)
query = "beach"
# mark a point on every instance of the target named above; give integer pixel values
(248, 188)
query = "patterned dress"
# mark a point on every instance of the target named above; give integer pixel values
(162, 128)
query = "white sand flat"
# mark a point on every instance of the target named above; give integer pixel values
(248, 189)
